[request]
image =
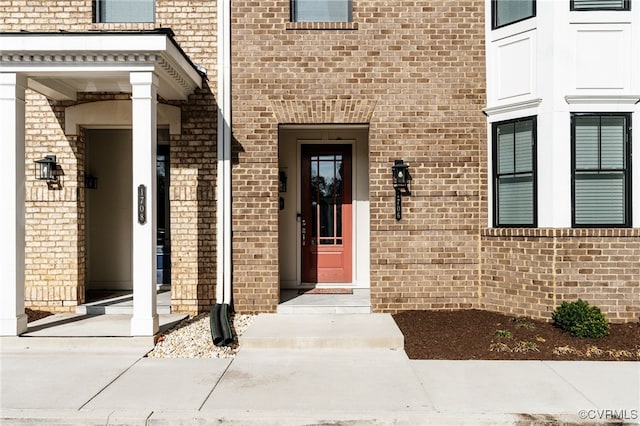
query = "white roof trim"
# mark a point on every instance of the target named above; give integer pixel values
(60, 64)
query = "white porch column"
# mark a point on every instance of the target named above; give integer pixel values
(143, 96)
(13, 320)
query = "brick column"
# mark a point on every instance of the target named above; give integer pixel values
(13, 320)
(144, 104)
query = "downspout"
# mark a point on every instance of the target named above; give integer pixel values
(221, 330)
(223, 289)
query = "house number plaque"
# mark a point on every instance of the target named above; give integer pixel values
(142, 204)
(398, 205)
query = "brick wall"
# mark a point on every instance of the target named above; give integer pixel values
(193, 161)
(531, 272)
(420, 66)
(54, 213)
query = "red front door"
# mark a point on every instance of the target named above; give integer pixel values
(326, 213)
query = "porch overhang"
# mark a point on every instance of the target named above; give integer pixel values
(60, 65)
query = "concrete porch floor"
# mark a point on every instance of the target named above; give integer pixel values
(103, 318)
(291, 302)
(112, 317)
(123, 304)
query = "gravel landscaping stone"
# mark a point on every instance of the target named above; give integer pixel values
(191, 338)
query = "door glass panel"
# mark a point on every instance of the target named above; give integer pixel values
(326, 199)
(314, 201)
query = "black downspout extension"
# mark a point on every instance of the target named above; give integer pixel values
(221, 331)
(214, 323)
(227, 331)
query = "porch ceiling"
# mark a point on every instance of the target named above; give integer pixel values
(59, 65)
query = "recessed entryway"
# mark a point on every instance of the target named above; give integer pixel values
(324, 213)
(108, 216)
(109, 220)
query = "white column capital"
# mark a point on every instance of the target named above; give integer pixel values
(12, 86)
(144, 84)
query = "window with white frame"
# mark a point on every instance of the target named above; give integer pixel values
(600, 5)
(601, 153)
(505, 12)
(321, 11)
(514, 173)
(107, 11)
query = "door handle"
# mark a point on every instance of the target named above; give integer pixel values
(303, 229)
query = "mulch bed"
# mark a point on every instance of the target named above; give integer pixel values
(34, 315)
(475, 334)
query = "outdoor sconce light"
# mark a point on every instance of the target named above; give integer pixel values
(401, 182)
(401, 177)
(46, 168)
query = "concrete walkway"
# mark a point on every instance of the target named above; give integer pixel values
(87, 381)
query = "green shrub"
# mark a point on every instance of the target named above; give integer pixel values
(581, 320)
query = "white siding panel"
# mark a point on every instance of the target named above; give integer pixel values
(515, 66)
(603, 57)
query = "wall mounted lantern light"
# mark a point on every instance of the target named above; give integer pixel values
(45, 168)
(401, 177)
(401, 183)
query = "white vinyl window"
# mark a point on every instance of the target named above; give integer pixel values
(505, 12)
(514, 173)
(106, 11)
(601, 174)
(321, 11)
(600, 5)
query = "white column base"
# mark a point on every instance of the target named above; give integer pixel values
(13, 326)
(145, 326)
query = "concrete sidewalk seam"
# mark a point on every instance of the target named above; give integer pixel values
(574, 387)
(215, 385)
(109, 384)
(421, 382)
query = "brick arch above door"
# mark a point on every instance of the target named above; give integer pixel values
(314, 111)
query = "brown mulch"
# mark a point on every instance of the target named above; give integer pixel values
(34, 315)
(475, 334)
